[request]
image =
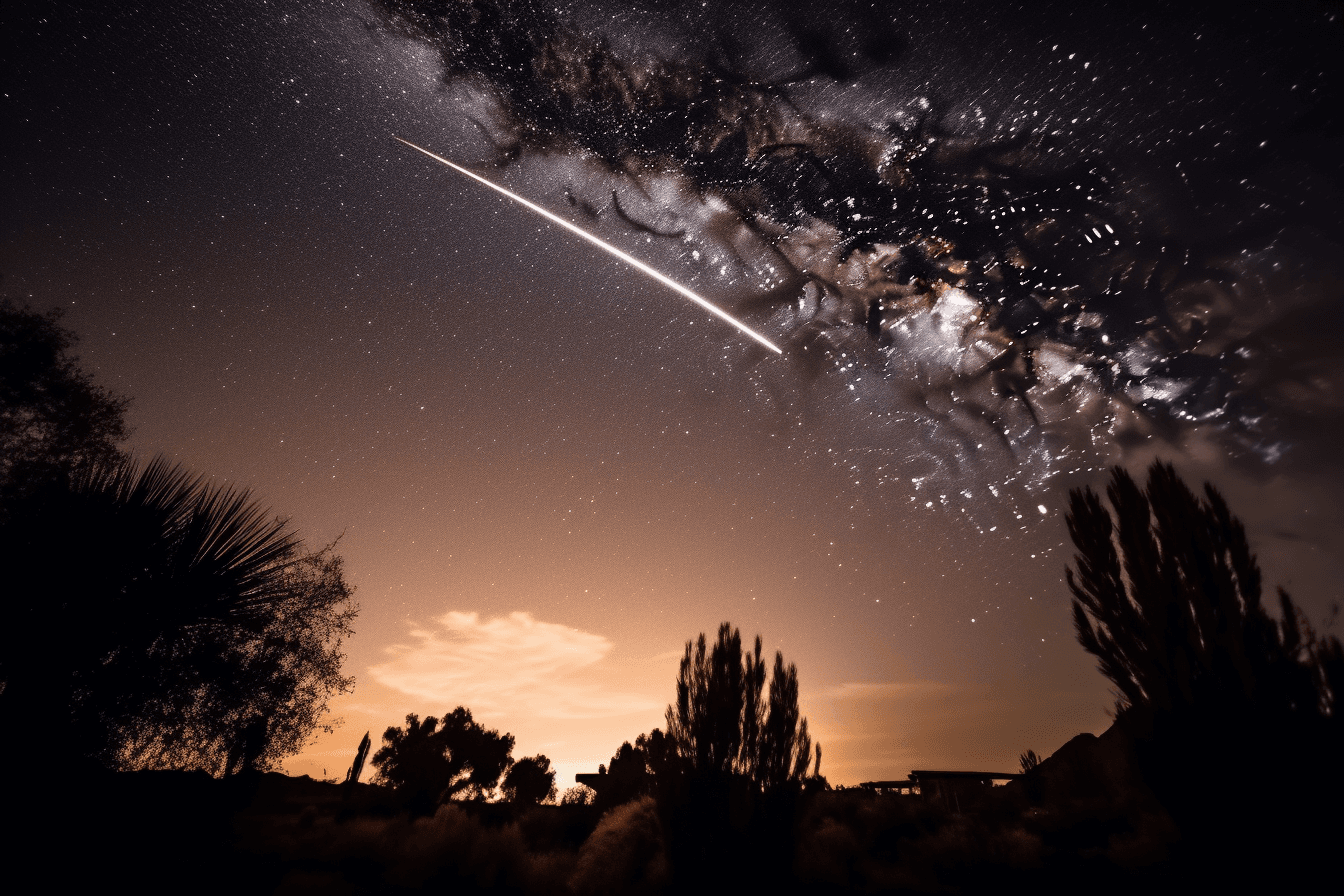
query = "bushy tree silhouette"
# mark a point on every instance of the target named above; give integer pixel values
(635, 769)
(156, 620)
(52, 416)
(433, 762)
(1211, 688)
(530, 780)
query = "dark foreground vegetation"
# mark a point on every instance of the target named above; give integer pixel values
(1073, 828)
(167, 644)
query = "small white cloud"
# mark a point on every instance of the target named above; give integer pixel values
(511, 664)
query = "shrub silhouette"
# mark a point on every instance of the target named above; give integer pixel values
(1167, 596)
(578, 795)
(158, 621)
(624, 853)
(431, 763)
(530, 780)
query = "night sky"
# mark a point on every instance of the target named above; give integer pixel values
(1001, 250)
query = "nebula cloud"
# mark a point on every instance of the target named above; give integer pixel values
(974, 285)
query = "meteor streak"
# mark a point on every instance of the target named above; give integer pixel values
(628, 259)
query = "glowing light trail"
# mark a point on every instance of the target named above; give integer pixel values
(628, 259)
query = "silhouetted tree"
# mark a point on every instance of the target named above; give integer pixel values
(659, 752)
(740, 757)
(634, 770)
(1028, 761)
(53, 418)
(433, 763)
(816, 781)
(156, 620)
(724, 721)
(1167, 596)
(530, 780)
(784, 749)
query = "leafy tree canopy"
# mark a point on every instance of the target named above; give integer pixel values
(442, 761)
(530, 780)
(156, 620)
(653, 754)
(52, 416)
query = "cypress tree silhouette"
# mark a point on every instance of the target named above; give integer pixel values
(1167, 596)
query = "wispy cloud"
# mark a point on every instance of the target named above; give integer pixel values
(511, 664)
(668, 655)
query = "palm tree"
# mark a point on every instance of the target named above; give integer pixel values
(160, 620)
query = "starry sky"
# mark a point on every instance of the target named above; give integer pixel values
(1002, 247)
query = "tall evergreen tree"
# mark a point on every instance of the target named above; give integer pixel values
(741, 754)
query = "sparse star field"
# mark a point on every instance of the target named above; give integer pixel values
(997, 248)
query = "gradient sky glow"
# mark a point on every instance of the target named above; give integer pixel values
(547, 472)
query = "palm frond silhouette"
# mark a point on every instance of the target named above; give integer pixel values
(178, 618)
